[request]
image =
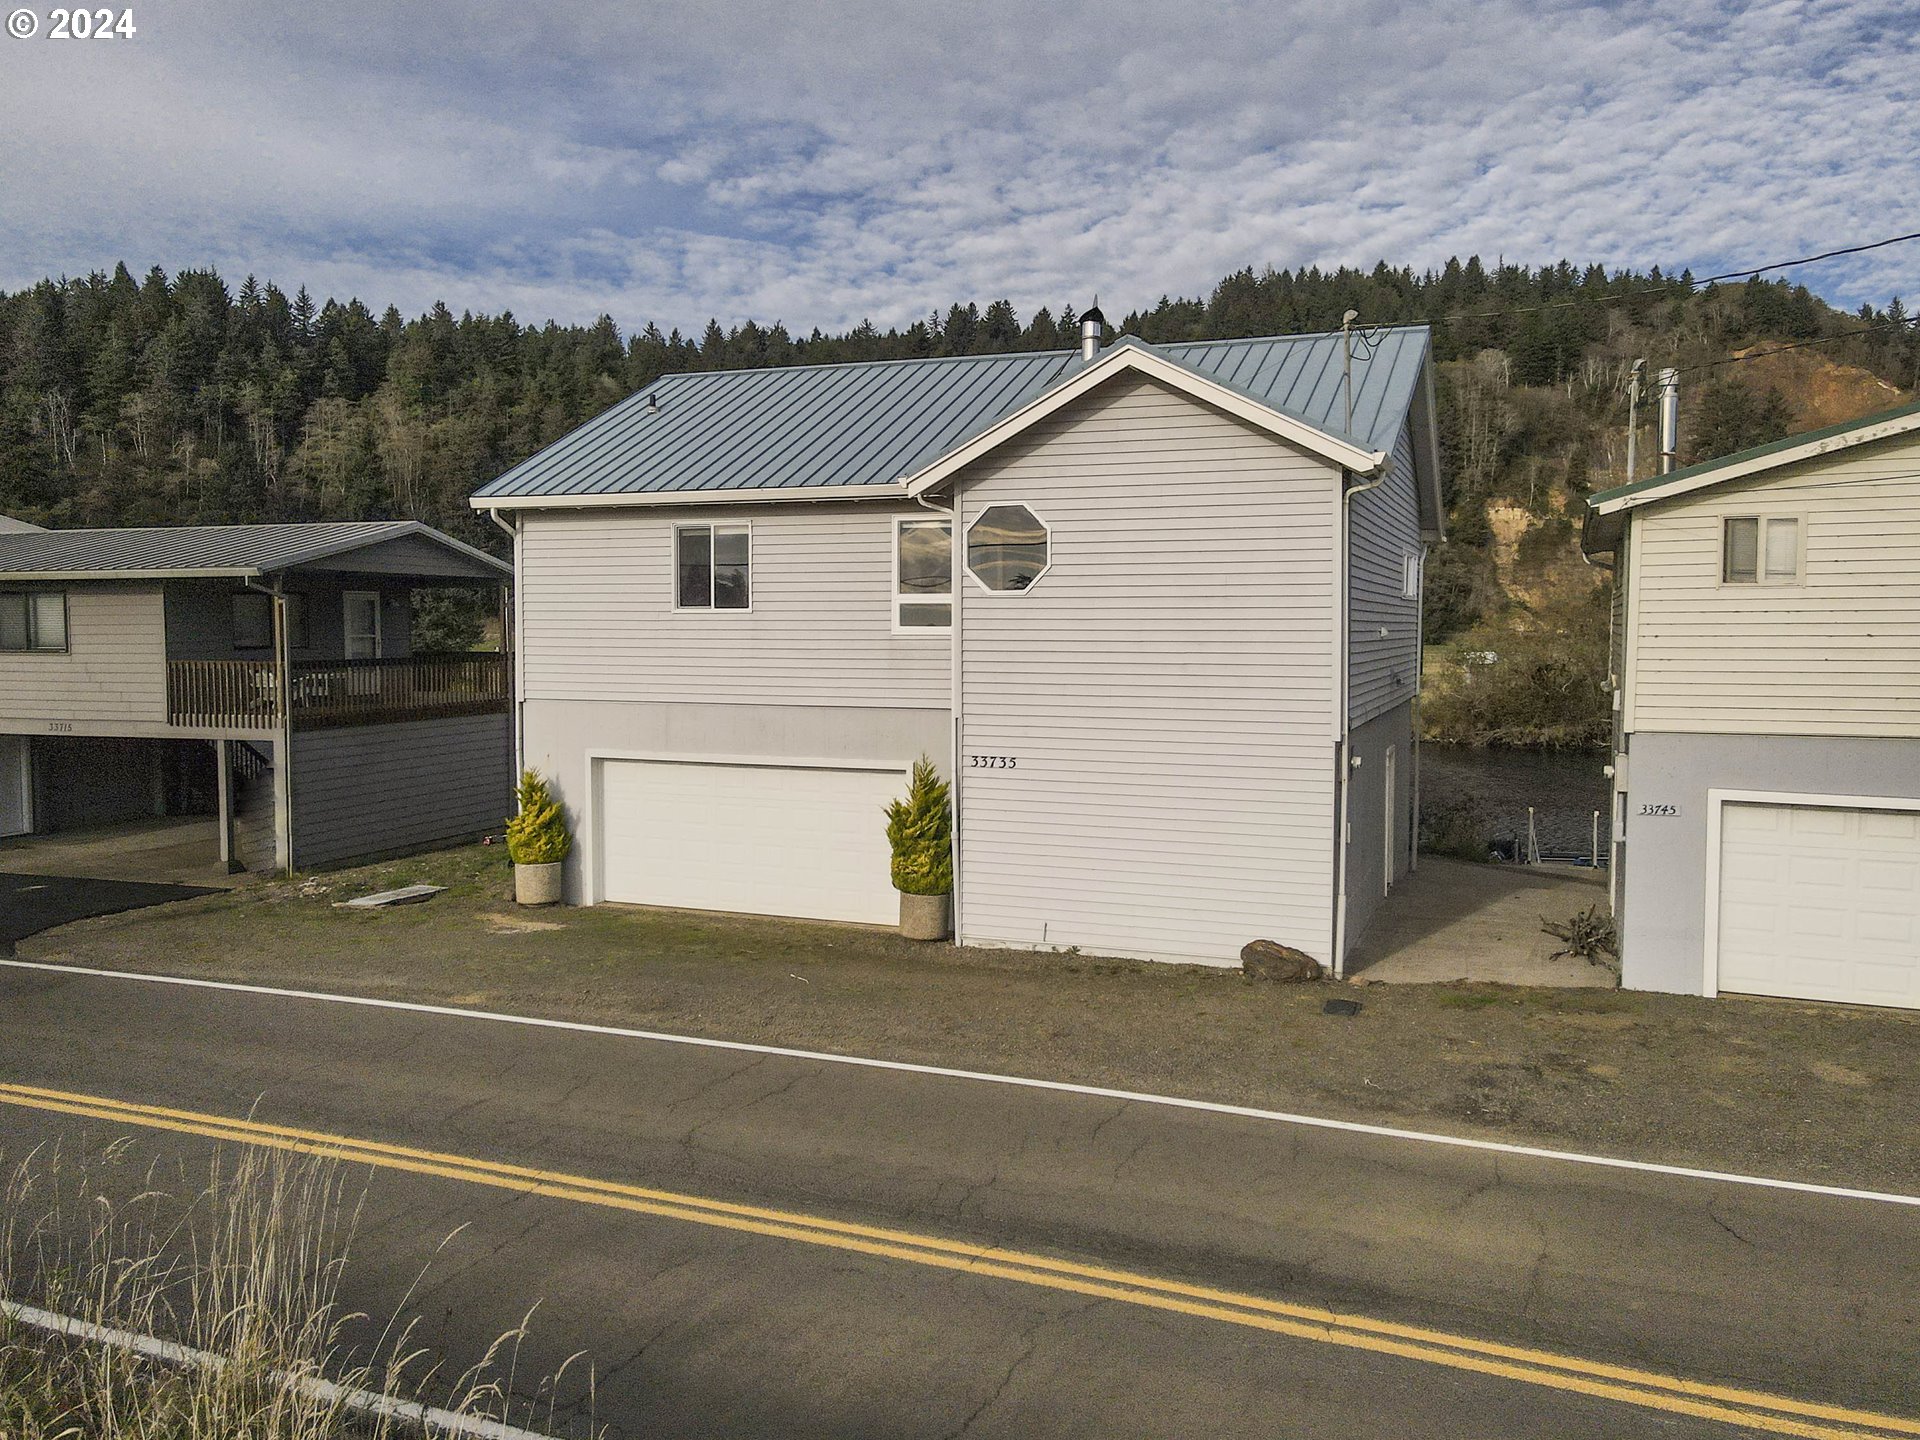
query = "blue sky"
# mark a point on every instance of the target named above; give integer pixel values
(821, 163)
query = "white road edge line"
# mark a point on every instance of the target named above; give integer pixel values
(908, 1067)
(430, 1418)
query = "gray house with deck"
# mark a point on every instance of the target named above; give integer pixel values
(262, 673)
(1155, 609)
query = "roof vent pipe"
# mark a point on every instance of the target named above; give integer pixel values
(1669, 419)
(1093, 332)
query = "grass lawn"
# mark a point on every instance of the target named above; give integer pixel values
(1824, 1093)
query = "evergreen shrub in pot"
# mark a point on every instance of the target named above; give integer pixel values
(538, 841)
(920, 830)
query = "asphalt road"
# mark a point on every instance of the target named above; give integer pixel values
(32, 903)
(1155, 1272)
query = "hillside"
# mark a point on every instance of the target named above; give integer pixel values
(178, 400)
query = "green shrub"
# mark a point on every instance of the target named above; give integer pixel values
(920, 830)
(538, 835)
(1454, 825)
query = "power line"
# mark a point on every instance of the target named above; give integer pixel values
(1802, 344)
(1667, 286)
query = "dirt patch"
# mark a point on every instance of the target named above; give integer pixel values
(1805, 1092)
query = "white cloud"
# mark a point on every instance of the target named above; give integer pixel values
(828, 162)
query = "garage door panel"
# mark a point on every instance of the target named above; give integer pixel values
(804, 841)
(1839, 919)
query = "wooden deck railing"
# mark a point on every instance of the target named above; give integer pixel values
(242, 694)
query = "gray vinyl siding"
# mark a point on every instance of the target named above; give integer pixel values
(200, 619)
(370, 789)
(1367, 877)
(598, 618)
(1165, 689)
(1383, 670)
(113, 671)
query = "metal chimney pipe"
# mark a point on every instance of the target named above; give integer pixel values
(1093, 332)
(1669, 419)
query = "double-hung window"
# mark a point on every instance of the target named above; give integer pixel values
(711, 565)
(1760, 550)
(33, 620)
(922, 574)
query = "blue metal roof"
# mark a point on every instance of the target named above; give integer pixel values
(809, 426)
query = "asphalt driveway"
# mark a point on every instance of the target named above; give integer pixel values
(32, 903)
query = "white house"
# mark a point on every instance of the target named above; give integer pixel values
(1767, 774)
(1171, 661)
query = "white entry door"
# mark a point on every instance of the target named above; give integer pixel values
(16, 786)
(772, 839)
(362, 623)
(1820, 903)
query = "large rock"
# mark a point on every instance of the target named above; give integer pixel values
(1270, 960)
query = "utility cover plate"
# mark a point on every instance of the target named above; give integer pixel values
(405, 895)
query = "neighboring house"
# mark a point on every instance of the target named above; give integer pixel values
(1170, 663)
(1767, 774)
(146, 673)
(11, 526)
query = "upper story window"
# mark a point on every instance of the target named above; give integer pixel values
(1008, 547)
(710, 564)
(33, 620)
(253, 621)
(1760, 550)
(923, 575)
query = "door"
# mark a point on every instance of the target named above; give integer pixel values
(759, 839)
(1819, 903)
(362, 624)
(16, 785)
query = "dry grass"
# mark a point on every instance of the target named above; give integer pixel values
(248, 1272)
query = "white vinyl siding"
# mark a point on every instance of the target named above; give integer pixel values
(1383, 670)
(1836, 654)
(1165, 689)
(112, 670)
(599, 622)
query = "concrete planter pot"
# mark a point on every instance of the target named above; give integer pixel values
(537, 884)
(926, 917)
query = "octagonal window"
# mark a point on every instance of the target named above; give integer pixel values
(1007, 547)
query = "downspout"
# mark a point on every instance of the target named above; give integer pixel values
(952, 513)
(516, 647)
(1343, 709)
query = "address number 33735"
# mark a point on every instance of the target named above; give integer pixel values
(992, 762)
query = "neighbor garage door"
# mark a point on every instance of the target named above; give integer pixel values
(1820, 903)
(763, 839)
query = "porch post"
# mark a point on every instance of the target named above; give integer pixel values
(283, 760)
(223, 768)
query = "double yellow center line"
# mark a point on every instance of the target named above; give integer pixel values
(1756, 1410)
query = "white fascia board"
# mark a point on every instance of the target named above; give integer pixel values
(1760, 464)
(771, 495)
(1131, 357)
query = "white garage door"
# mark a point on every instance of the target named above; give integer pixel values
(760, 839)
(1820, 903)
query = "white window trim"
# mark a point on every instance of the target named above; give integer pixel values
(1410, 568)
(960, 542)
(1761, 578)
(900, 598)
(65, 647)
(673, 567)
(1717, 800)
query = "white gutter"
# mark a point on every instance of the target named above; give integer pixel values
(1343, 709)
(953, 692)
(772, 495)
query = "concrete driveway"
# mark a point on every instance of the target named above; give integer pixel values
(172, 851)
(1455, 920)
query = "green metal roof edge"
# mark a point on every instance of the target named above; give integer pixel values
(1757, 452)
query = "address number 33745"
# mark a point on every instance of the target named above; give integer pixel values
(992, 762)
